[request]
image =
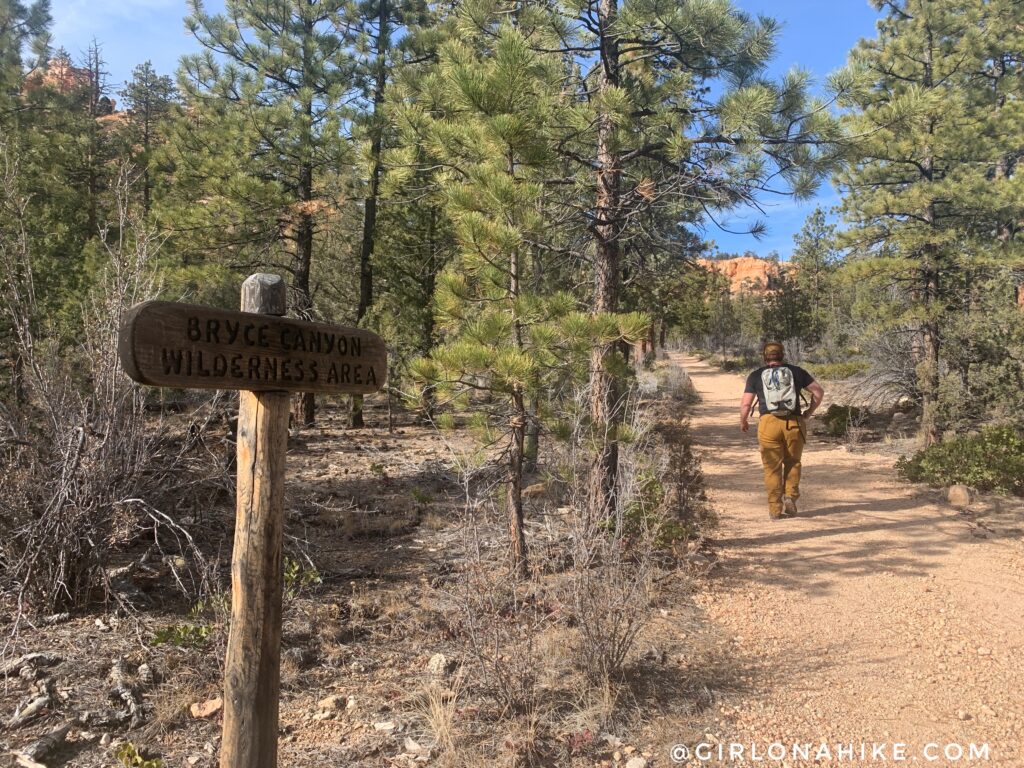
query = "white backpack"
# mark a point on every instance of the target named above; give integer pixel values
(780, 391)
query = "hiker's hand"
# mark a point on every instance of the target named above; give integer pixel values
(744, 425)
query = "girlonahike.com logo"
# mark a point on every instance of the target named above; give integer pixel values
(849, 752)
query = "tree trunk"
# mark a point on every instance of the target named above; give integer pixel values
(147, 181)
(304, 405)
(366, 247)
(928, 368)
(604, 395)
(518, 426)
(429, 285)
(517, 537)
(532, 450)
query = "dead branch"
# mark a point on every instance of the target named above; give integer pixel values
(35, 754)
(29, 712)
(34, 660)
(124, 691)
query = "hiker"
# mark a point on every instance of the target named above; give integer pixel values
(782, 428)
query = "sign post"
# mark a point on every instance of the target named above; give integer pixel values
(266, 356)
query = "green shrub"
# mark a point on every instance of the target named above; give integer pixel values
(299, 578)
(838, 418)
(992, 460)
(194, 633)
(130, 757)
(836, 371)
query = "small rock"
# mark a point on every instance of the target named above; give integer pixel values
(617, 756)
(959, 495)
(194, 760)
(439, 666)
(962, 715)
(387, 726)
(208, 708)
(637, 762)
(105, 740)
(146, 676)
(413, 747)
(987, 711)
(333, 703)
(698, 560)
(984, 652)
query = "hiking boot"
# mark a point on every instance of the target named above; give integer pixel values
(788, 506)
(774, 515)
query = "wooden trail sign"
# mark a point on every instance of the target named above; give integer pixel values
(264, 355)
(179, 345)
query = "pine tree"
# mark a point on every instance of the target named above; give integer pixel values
(816, 259)
(149, 99)
(496, 102)
(24, 29)
(373, 24)
(928, 188)
(787, 314)
(682, 116)
(263, 134)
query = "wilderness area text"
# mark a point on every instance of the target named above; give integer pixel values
(257, 367)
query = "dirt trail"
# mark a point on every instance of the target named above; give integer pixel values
(879, 615)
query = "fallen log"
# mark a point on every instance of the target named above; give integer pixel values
(124, 691)
(24, 714)
(36, 753)
(14, 667)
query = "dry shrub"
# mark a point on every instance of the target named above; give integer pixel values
(437, 705)
(82, 475)
(608, 586)
(502, 622)
(554, 652)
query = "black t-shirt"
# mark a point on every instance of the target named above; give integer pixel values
(778, 390)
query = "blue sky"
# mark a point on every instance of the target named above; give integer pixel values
(816, 35)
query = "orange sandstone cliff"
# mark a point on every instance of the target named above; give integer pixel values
(746, 274)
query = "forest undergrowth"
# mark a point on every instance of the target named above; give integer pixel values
(404, 638)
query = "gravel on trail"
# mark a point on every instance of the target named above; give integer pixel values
(878, 616)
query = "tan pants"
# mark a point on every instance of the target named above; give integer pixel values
(782, 444)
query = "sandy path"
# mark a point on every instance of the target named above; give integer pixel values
(875, 616)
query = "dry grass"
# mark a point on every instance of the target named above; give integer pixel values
(171, 700)
(437, 706)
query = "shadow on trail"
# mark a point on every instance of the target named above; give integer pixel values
(876, 528)
(812, 554)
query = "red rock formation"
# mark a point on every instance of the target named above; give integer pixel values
(747, 274)
(59, 74)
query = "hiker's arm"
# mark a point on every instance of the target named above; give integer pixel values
(746, 408)
(817, 395)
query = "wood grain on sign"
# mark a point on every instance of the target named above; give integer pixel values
(166, 344)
